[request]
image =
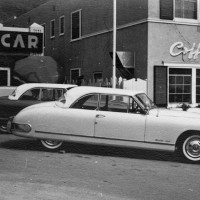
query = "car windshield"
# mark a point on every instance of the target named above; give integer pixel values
(145, 101)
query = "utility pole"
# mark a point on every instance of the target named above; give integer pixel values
(114, 43)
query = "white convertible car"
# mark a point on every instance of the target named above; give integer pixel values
(110, 117)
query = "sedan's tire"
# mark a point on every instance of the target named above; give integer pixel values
(191, 148)
(51, 144)
(3, 128)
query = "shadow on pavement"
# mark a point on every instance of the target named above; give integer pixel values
(25, 144)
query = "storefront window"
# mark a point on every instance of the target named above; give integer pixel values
(180, 85)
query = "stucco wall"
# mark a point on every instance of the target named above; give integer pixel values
(161, 37)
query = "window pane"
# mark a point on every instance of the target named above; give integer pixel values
(178, 98)
(114, 103)
(172, 89)
(172, 80)
(187, 80)
(178, 8)
(198, 81)
(89, 102)
(198, 73)
(52, 28)
(187, 89)
(177, 71)
(47, 95)
(58, 94)
(76, 25)
(190, 10)
(198, 90)
(171, 98)
(186, 9)
(62, 25)
(186, 98)
(179, 80)
(198, 98)
(31, 95)
(179, 88)
(98, 77)
(75, 73)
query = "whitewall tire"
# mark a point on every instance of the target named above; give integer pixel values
(51, 144)
(191, 148)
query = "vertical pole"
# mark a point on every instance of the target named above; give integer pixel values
(114, 43)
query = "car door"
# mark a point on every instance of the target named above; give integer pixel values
(79, 118)
(116, 119)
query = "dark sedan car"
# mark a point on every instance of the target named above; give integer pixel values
(26, 95)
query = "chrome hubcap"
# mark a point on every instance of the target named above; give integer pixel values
(193, 147)
(52, 142)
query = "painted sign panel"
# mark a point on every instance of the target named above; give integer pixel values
(21, 42)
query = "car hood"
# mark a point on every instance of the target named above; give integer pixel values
(174, 113)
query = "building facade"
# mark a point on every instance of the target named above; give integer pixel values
(162, 37)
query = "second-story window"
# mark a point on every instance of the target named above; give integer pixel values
(179, 10)
(76, 25)
(62, 25)
(52, 28)
(186, 9)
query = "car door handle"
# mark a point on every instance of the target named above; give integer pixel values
(100, 116)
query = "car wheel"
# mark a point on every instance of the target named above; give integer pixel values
(3, 128)
(51, 144)
(191, 148)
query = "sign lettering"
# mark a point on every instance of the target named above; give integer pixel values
(21, 42)
(178, 48)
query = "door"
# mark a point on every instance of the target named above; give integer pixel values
(80, 118)
(118, 118)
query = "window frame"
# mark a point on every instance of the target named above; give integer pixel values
(52, 31)
(44, 34)
(60, 25)
(74, 69)
(80, 25)
(86, 95)
(193, 86)
(35, 88)
(8, 74)
(98, 80)
(177, 19)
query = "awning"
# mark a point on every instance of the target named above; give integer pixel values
(125, 63)
(40, 69)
